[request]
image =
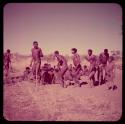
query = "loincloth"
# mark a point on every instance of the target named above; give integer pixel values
(37, 62)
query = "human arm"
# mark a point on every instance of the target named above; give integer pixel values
(41, 53)
(86, 58)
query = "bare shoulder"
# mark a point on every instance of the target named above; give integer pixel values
(77, 55)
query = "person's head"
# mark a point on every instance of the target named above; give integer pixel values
(56, 70)
(27, 68)
(111, 58)
(51, 69)
(35, 44)
(56, 53)
(85, 66)
(8, 50)
(89, 52)
(74, 50)
(105, 50)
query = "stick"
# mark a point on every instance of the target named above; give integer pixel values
(36, 77)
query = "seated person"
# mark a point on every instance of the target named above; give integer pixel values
(26, 73)
(51, 72)
(57, 75)
(47, 74)
(85, 70)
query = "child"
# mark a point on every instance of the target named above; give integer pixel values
(47, 74)
(111, 74)
(68, 77)
(57, 75)
(26, 73)
(85, 70)
(51, 72)
(75, 76)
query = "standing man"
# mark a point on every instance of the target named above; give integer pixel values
(103, 60)
(92, 69)
(77, 65)
(7, 61)
(36, 58)
(62, 65)
(76, 59)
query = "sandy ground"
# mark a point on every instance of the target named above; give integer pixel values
(24, 101)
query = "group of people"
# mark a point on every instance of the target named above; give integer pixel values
(101, 69)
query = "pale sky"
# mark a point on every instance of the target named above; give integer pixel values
(61, 26)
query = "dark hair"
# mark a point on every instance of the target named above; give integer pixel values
(56, 52)
(56, 70)
(51, 69)
(35, 42)
(90, 50)
(74, 49)
(27, 68)
(85, 66)
(105, 50)
(8, 50)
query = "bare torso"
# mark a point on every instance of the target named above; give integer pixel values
(103, 58)
(61, 59)
(36, 54)
(76, 60)
(92, 60)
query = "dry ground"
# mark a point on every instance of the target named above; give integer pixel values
(23, 101)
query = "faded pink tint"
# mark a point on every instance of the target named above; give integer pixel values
(61, 26)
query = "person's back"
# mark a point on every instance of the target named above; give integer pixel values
(46, 77)
(103, 58)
